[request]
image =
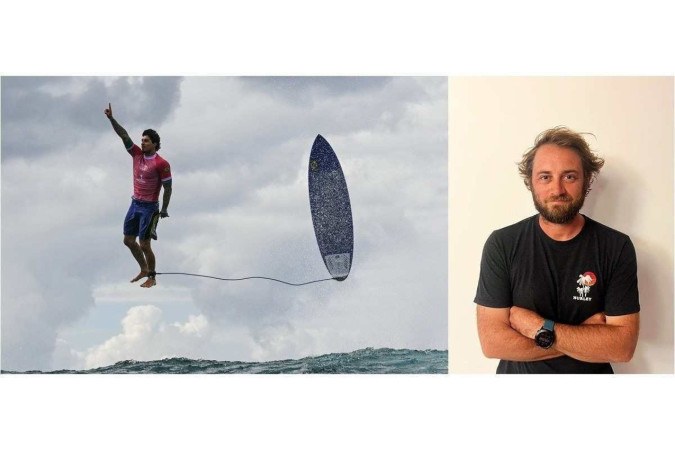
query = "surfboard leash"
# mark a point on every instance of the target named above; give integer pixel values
(241, 279)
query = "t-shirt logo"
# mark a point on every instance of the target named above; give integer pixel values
(585, 281)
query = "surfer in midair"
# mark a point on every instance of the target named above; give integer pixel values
(151, 172)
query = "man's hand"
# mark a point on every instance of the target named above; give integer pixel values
(163, 214)
(108, 111)
(596, 319)
(524, 321)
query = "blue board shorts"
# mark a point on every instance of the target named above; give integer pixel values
(141, 219)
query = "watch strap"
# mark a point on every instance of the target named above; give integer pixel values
(548, 324)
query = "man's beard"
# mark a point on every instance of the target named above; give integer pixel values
(562, 213)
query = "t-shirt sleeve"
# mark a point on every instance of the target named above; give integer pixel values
(494, 285)
(134, 150)
(164, 170)
(622, 295)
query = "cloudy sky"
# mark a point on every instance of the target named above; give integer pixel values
(238, 149)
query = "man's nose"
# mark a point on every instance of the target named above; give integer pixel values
(558, 187)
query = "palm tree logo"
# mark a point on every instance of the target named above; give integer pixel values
(585, 281)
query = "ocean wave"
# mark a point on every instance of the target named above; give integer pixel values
(365, 361)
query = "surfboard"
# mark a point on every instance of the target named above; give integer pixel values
(331, 209)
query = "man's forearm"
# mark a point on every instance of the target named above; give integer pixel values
(121, 132)
(596, 343)
(499, 340)
(166, 198)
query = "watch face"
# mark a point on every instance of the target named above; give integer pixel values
(544, 338)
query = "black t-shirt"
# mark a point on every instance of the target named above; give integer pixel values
(565, 281)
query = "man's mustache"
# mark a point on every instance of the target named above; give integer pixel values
(560, 198)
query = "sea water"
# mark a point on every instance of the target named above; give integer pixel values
(364, 361)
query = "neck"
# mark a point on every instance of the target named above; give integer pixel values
(562, 231)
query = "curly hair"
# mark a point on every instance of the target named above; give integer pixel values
(563, 137)
(154, 137)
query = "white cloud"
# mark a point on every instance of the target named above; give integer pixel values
(195, 326)
(146, 336)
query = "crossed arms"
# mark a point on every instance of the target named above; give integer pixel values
(508, 333)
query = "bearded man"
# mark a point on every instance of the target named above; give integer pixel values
(558, 291)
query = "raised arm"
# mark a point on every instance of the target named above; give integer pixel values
(499, 340)
(121, 132)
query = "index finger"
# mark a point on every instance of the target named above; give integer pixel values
(109, 107)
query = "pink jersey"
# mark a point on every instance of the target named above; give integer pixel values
(149, 174)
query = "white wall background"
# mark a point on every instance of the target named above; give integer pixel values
(493, 121)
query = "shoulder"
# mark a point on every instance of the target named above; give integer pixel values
(614, 244)
(605, 232)
(134, 150)
(508, 240)
(161, 162)
(163, 168)
(515, 231)
(160, 158)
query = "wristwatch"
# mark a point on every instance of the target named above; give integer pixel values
(545, 337)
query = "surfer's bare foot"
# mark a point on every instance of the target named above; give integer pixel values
(142, 274)
(150, 282)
